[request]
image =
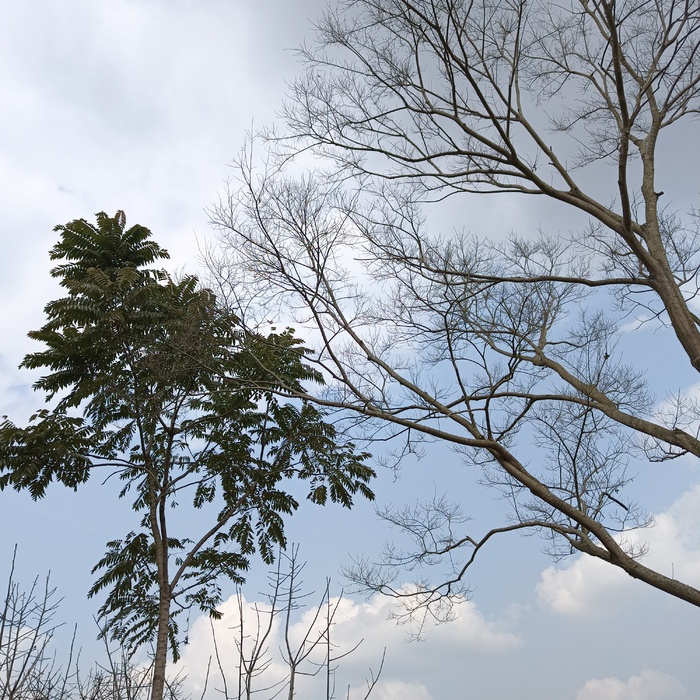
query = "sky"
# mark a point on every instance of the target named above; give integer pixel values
(141, 105)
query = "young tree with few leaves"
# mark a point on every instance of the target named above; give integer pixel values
(151, 379)
(311, 654)
(510, 350)
(28, 670)
(34, 666)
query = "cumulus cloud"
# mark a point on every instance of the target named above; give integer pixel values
(407, 667)
(588, 585)
(581, 587)
(648, 685)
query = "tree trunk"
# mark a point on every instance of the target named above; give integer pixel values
(161, 657)
(160, 542)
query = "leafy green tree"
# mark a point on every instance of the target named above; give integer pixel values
(150, 377)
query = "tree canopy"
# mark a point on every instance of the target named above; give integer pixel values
(151, 379)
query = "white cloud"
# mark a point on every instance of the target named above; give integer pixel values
(407, 668)
(588, 586)
(681, 410)
(582, 587)
(642, 322)
(398, 690)
(648, 685)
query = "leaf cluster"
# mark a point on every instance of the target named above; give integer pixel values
(152, 379)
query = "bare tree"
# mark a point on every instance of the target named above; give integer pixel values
(314, 654)
(120, 678)
(30, 668)
(509, 350)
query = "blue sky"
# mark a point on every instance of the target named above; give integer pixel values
(141, 105)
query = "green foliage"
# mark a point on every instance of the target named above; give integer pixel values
(53, 446)
(132, 580)
(106, 247)
(151, 377)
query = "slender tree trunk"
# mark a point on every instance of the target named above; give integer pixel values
(161, 657)
(160, 541)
